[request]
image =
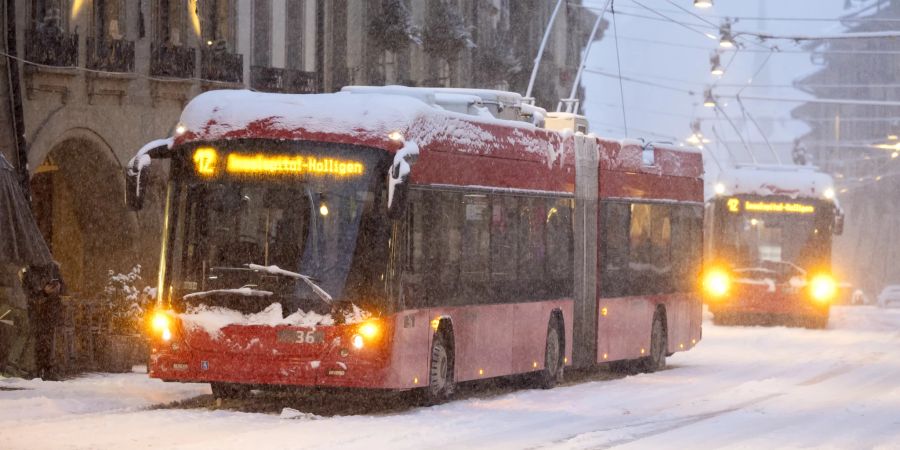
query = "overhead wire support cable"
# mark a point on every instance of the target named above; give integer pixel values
(585, 57)
(540, 54)
(759, 128)
(619, 67)
(739, 134)
(669, 19)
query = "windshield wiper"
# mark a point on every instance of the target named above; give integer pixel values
(275, 270)
(246, 291)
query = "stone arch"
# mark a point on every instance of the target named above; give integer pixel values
(78, 192)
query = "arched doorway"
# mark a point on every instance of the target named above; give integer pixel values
(77, 200)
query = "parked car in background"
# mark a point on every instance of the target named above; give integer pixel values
(890, 296)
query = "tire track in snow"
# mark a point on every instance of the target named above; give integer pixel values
(599, 439)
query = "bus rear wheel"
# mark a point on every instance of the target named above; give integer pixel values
(440, 380)
(229, 390)
(553, 357)
(658, 343)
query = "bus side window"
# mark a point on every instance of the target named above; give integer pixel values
(614, 227)
(560, 248)
(687, 247)
(661, 255)
(641, 252)
(414, 295)
(445, 251)
(532, 250)
(475, 248)
(504, 230)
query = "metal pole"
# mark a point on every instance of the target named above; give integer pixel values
(587, 51)
(537, 60)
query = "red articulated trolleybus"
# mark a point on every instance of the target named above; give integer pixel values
(402, 238)
(768, 246)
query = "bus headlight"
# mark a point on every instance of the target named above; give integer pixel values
(716, 283)
(161, 325)
(367, 332)
(822, 288)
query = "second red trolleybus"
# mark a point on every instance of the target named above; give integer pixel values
(404, 238)
(769, 232)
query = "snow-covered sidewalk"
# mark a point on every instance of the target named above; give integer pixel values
(743, 387)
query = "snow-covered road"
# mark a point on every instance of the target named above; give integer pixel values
(743, 387)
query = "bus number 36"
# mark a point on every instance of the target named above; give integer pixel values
(301, 337)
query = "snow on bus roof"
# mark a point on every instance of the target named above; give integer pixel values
(789, 180)
(365, 115)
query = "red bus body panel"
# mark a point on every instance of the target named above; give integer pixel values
(761, 299)
(490, 340)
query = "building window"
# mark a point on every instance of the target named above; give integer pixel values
(262, 33)
(109, 20)
(50, 14)
(170, 22)
(216, 22)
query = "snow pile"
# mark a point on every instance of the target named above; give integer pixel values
(26, 401)
(291, 413)
(213, 319)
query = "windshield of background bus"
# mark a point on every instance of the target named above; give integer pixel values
(749, 239)
(309, 224)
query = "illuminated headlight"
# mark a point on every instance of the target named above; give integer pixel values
(161, 325)
(829, 193)
(180, 129)
(395, 136)
(822, 288)
(367, 332)
(719, 188)
(716, 283)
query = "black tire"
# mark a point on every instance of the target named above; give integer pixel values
(440, 372)
(658, 346)
(553, 356)
(229, 390)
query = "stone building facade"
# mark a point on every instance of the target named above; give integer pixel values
(99, 78)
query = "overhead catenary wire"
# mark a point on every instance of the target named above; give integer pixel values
(619, 66)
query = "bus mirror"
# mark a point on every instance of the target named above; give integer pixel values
(135, 185)
(136, 172)
(398, 187)
(838, 223)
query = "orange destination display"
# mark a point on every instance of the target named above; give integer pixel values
(734, 206)
(206, 160)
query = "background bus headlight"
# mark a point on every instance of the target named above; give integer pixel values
(822, 288)
(716, 283)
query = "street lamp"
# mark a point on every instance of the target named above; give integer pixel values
(716, 65)
(708, 100)
(726, 40)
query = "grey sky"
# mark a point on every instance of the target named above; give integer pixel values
(679, 58)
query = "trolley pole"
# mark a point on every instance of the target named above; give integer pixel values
(540, 54)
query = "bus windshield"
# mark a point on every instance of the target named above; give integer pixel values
(774, 244)
(254, 225)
